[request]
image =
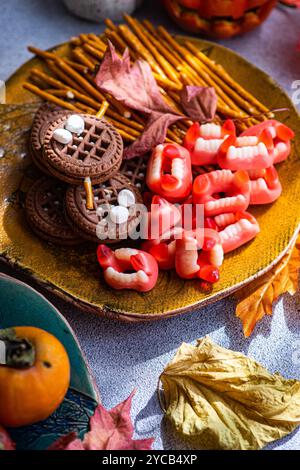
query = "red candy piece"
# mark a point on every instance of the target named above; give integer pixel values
(265, 186)
(235, 186)
(163, 249)
(238, 153)
(204, 141)
(169, 172)
(210, 274)
(163, 216)
(281, 135)
(236, 229)
(188, 258)
(127, 268)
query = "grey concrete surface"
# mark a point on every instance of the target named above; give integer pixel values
(121, 356)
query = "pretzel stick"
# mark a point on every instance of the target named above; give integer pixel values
(93, 105)
(125, 128)
(126, 135)
(209, 81)
(140, 49)
(79, 79)
(83, 58)
(219, 70)
(84, 37)
(91, 89)
(217, 82)
(103, 109)
(93, 51)
(222, 107)
(75, 41)
(92, 59)
(96, 41)
(89, 193)
(162, 50)
(223, 99)
(121, 46)
(67, 94)
(169, 71)
(109, 23)
(62, 76)
(194, 79)
(48, 97)
(51, 56)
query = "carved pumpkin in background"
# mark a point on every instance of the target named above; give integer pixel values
(219, 18)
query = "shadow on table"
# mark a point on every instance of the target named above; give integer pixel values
(291, 307)
(139, 342)
(171, 440)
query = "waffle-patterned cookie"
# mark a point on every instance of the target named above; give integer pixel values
(96, 153)
(89, 223)
(135, 170)
(46, 114)
(45, 213)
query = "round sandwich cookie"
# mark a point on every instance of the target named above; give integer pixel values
(80, 146)
(115, 214)
(45, 115)
(45, 212)
(135, 170)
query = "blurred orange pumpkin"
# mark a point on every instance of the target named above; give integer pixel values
(219, 18)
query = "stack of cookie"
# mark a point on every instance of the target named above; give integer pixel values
(84, 192)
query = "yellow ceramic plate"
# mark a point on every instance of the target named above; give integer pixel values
(74, 273)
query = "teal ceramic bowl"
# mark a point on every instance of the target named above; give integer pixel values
(20, 305)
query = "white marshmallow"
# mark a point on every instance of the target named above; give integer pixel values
(126, 198)
(119, 214)
(75, 124)
(62, 136)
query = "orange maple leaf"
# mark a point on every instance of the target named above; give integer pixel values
(256, 299)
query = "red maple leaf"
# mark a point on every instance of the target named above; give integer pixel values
(5, 441)
(109, 430)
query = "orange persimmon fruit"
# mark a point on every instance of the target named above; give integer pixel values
(33, 386)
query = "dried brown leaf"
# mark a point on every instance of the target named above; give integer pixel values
(221, 399)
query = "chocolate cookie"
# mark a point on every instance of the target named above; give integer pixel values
(135, 170)
(46, 114)
(45, 213)
(96, 153)
(114, 215)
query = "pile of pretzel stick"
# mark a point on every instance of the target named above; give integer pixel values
(69, 81)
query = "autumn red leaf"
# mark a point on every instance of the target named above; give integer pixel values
(135, 86)
(109, 430)
(200, 103)
(5, 441)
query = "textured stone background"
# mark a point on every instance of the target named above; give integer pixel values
(123, 357)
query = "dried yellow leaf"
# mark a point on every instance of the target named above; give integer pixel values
(221, 399)
(256, 299)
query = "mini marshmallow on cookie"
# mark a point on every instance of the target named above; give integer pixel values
(62, 136)
(75, 124)
(126, 198)
(119, 215)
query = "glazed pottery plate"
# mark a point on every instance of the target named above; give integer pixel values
(74, 273)
(20, 305)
